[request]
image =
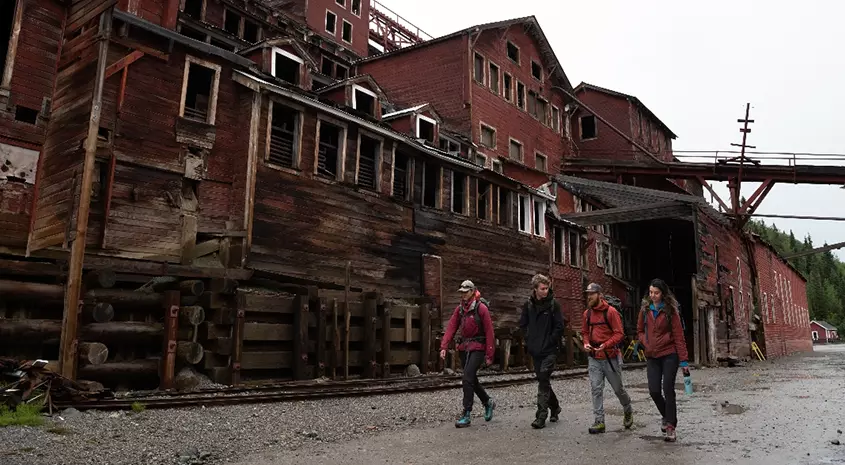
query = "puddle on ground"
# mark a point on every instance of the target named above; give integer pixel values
(727, 408)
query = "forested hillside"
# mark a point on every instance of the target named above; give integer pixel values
(826, 274)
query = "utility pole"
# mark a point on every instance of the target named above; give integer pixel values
(735, 184)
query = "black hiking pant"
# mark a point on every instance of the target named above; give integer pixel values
(661, 385)
(546, 398)
(471, 362)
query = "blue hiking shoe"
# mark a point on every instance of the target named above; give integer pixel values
(488, 409)
(464, 421)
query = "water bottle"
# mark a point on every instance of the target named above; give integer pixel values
(687, 382)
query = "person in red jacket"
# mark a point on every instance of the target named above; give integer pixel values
(477, 346)
(602, 331)
(660, 332)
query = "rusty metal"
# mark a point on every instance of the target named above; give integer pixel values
(392, 31)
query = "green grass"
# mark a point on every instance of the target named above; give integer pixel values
(24, 415)
(138, 407)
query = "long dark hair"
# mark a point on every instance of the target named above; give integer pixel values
(671, 303)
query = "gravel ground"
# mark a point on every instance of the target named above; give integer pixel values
(218, 435)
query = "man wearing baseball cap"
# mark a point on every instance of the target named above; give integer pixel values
(602, 331)
(472, 317)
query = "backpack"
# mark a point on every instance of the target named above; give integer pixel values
(482, 338)
(590, 324)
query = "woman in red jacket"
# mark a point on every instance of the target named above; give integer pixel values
(660, 331)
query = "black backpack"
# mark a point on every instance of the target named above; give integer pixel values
(482, 337)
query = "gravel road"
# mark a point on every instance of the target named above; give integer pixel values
(310, 430)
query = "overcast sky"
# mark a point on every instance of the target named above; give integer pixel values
(695, 66)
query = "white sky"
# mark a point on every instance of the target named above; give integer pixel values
(695, 66)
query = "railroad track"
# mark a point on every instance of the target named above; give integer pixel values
(311, 391)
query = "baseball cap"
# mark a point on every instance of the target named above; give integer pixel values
(593, 288)
(466, 286)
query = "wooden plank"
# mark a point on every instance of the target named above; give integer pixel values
(171, 327)
(347, 318)
(257, 303)
(189, 238)
(203, 248)
(268, 332)
(238, 342)
(121, 64)
(370, 341)
(408, 325)
(300, 337)
(266, 360)
(385, 340)
(321, 308)
(335, 358)
(82, 17)
(425, 330)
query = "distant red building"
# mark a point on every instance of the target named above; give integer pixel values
(823, 332)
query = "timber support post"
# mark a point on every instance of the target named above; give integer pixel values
(171, 332)
(370, 342)
(425, 337)
(385, 340)
(300, 337)
(321, 337)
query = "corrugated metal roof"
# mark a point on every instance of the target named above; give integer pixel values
(633, 99)
(622, 195)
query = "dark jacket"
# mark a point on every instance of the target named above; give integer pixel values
(469, 330)
(542, 324)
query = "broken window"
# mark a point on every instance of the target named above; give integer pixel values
(347, 32)
(536, 70)
(480, 159)
(232, 22)
(524, 213)
(431, 185)
(540, 162)
(497, 166)
(198, 92)
(508, 87)
(494, 78)
(574, 248)
(504, 210)
(488, 136)
(341, 72)
(401, 177)
(543, 111)
(532, 103)
(329, 150)
(286, 66)
(356, 7)
(588, 127)
(555, 119)
(26, 115)
(363, 100)
(459, 192)
(558, 245)
(368, 157)
(515, 151)
(341, 3)
(520, 95)
(251, 32)
(539, 217)
(193, 34)
(327, 67)
(484, 199)
(448, 145)
(193, 8)
(478, 70)
(513, 52)
(331, 22)
(283, 146)
(425, 128)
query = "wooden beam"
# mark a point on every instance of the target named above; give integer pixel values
(68, 344)
(321, 337)
(6, 82)
(171, 328)
(425, 326)
(131, 44)
(123, 63)
(300, 337)
(714, 194)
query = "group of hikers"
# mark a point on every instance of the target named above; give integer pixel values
(659, 331)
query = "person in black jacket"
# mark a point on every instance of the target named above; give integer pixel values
(542, 324)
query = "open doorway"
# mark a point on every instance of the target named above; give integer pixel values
(665, 249)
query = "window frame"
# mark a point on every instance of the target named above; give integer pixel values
(581, 128)
(351, 31)
(521, 213)
(298, 134)
(433, 122)
(438, 189)
(352, 7)
(286, 54)
(326, 21)
(511, 141)
(540, 67)
(449, 140)
(538, 219)
(341, 3)
(377, 162)
(182, 6)
(488, 212)
(483, 79)
(485, 157)
(498, 89)
(555, 119)
(518, 60)
(521, 96)
(409, 176)
(497, 167)
(465, 199)
(344, 133)
(483, 125)
(215, 87)
(508, 93)
(559, 246)
(366, 91)
(540, 155)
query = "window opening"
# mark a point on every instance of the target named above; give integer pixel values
(367, 163)
(328, 154)
(286, 67)
(588, 127)
(401, 176)
(193, 8)
(459, 192)
(232, 24)
(484, 199)
(431, 185)
(513, 52)
(283, 131)
(331, 22)
(347, 32)
(198, 95)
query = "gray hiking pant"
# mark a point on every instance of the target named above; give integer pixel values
(599, 370)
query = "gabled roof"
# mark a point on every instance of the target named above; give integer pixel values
(825, 325)
(531, 25)
(630, 98)
(415, 109)
(354, 80)
(279, 42)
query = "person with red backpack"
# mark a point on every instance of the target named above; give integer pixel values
(660, 331)
(472, 317)
(602, 331)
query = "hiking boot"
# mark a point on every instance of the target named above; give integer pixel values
(488, 410)
(663, 425)
(555, 415)
(597, 428)
(670, 434)
(629, 420)
(538, 423)
(464, 421)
